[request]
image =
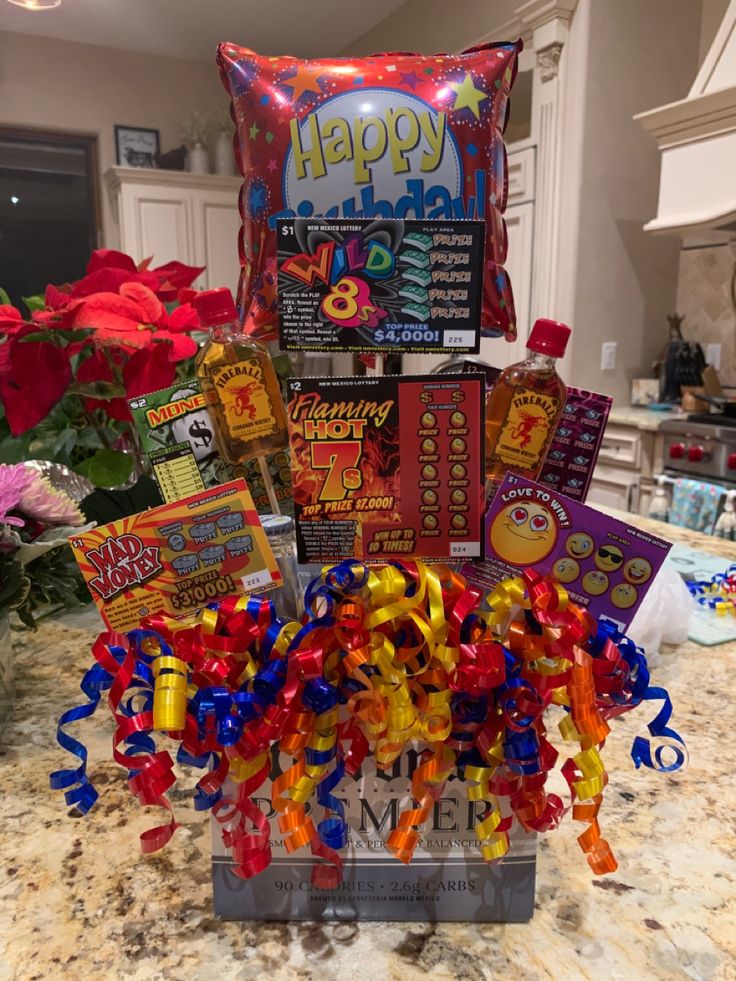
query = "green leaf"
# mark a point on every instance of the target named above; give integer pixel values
(65, 442)
(14, 449)
(107, 468)
(4, 298)
(79, 334)
(34, 303)
(98, 390)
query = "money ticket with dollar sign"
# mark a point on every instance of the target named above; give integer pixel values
(176, 434)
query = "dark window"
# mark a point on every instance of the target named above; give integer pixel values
(48, 209)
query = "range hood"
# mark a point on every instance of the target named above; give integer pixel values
(697, 137)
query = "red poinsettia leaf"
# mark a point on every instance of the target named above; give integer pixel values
(145, 263)
(184, 318)
(148, 370)
(94, 368)
(154, 309)
(110, 313)
(110, 258)
(11, 319)
(179, 346)
(97, 368)
(106, 280)
(37, 375)
(174, 276)
(57, 297)
(186, 294)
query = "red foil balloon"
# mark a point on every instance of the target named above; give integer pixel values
(389, 136)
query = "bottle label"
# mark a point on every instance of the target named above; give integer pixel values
(242, 393)
(527, 428)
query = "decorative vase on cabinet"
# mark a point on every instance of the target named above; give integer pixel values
(198, 159)
(224, 157)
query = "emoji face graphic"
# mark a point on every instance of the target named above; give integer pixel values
(565, 570)
(429, 472)
(429, 497)
(624, 595)
(523, 533)
(637, 571)
(427, 420)
(608, 558)
(579, 546)
(457, 419)
(458, 521)
(458, 471)
(595, 583)
(457, 445)
(429, 446)
(429, 521)
(458, 496)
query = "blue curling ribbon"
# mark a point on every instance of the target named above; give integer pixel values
(521, 751)
(641, 690)
(333, 830)
(641, 750)
(82, 795)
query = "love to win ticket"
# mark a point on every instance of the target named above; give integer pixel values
(176, 558)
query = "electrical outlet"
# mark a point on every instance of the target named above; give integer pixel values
(608, 355)
(713, 355)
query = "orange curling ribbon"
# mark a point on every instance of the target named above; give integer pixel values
(427, 785)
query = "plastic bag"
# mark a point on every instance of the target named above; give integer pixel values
(664, 615)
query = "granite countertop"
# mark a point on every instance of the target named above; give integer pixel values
(78, 899)
(641, 417)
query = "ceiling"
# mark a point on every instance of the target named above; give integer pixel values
(192, 28)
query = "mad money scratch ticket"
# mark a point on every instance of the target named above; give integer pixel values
(606, 565)
(176, 558)
(387, 467)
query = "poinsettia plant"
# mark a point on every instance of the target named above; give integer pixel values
(69, 364)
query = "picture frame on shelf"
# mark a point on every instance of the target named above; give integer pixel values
(136, 146)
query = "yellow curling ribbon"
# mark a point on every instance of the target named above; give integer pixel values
(169, 693)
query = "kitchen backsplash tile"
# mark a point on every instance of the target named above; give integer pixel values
(703, 297)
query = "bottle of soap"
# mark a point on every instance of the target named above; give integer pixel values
(239, 383)
(524, 405)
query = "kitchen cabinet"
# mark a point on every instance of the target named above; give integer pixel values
(170, 214)
(629, 457)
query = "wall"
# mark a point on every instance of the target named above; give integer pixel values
(60, 85)
(625, 281)
(704, 298)
(427, 26)
(704, 284)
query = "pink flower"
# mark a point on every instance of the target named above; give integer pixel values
(13, 480)
(39, 499)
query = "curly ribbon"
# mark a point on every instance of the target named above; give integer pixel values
(718, 593)
(387, 657)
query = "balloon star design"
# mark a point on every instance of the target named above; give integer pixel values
(467, 96)
(254, 131)
(305, 80)
(410, 79)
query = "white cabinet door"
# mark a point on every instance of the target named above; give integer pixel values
(157, 222)
(217, 225)
(614, 489)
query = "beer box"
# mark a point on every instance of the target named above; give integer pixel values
(447, 880)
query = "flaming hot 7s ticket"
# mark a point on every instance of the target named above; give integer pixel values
(386, 468)
(176, 558)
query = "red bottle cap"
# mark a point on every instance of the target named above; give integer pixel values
(215, 307)
(549, 337)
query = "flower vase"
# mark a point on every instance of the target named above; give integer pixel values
(198, 159)
(224, 157)
(7, 673)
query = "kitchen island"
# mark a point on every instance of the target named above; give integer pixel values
(77, 899)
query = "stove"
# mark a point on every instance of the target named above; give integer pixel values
(702, 445)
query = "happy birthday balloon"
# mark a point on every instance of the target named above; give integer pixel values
(389, 136)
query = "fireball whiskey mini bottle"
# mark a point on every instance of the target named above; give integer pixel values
(239, 384)
(523, 406)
